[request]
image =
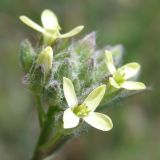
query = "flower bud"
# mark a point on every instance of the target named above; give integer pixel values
(53, 89)
(37, 80)
(27, 55)
(45, 59)
(64, 69)
(85, 47)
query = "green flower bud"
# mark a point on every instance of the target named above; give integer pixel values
(86, 72)
(85, 47)
(53, 89)
(64, 68)
(27, 55)
(41, 70)
(37, 80)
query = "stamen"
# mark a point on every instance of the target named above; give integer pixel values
(81, 110)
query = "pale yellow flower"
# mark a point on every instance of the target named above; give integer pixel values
(50, 27)
(84, 111)
(121, 75)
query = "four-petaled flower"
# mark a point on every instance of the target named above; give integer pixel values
(51, 28)
(121, 75)
(85, 111)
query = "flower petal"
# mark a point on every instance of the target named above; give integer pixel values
(72, 32)
(109, 61)
(49, 20)
(69, 92)
(131, 85)
(70, 120)
(31, 24)
(95, 97)
(114, 83)
(99, 121)
(130, 69)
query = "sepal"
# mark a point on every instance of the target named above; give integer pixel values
(53, 89)
(27, 55)
(37, 80)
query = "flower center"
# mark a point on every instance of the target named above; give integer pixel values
(50, 35)
(119, 76)
(81, 110)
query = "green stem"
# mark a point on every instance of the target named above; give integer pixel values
(41, 112)
(46, 131)
(52, 141)
(118, 97)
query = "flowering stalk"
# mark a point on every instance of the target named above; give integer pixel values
(73, 81)
(45, 133)
(40, 110)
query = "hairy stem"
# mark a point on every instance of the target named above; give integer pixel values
(120, 96)
(40, 110)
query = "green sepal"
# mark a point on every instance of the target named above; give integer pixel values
(27, 55)
(85, 47)
(37, 80)
(86, 72)
(64, 69)
(53, 93)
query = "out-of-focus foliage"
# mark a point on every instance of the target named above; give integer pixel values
(136, 25)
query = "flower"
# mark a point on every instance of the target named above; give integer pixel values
(51, 28)
(45, 59)
(84, 111)
(121, 75)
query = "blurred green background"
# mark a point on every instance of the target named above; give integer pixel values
(136, 25)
